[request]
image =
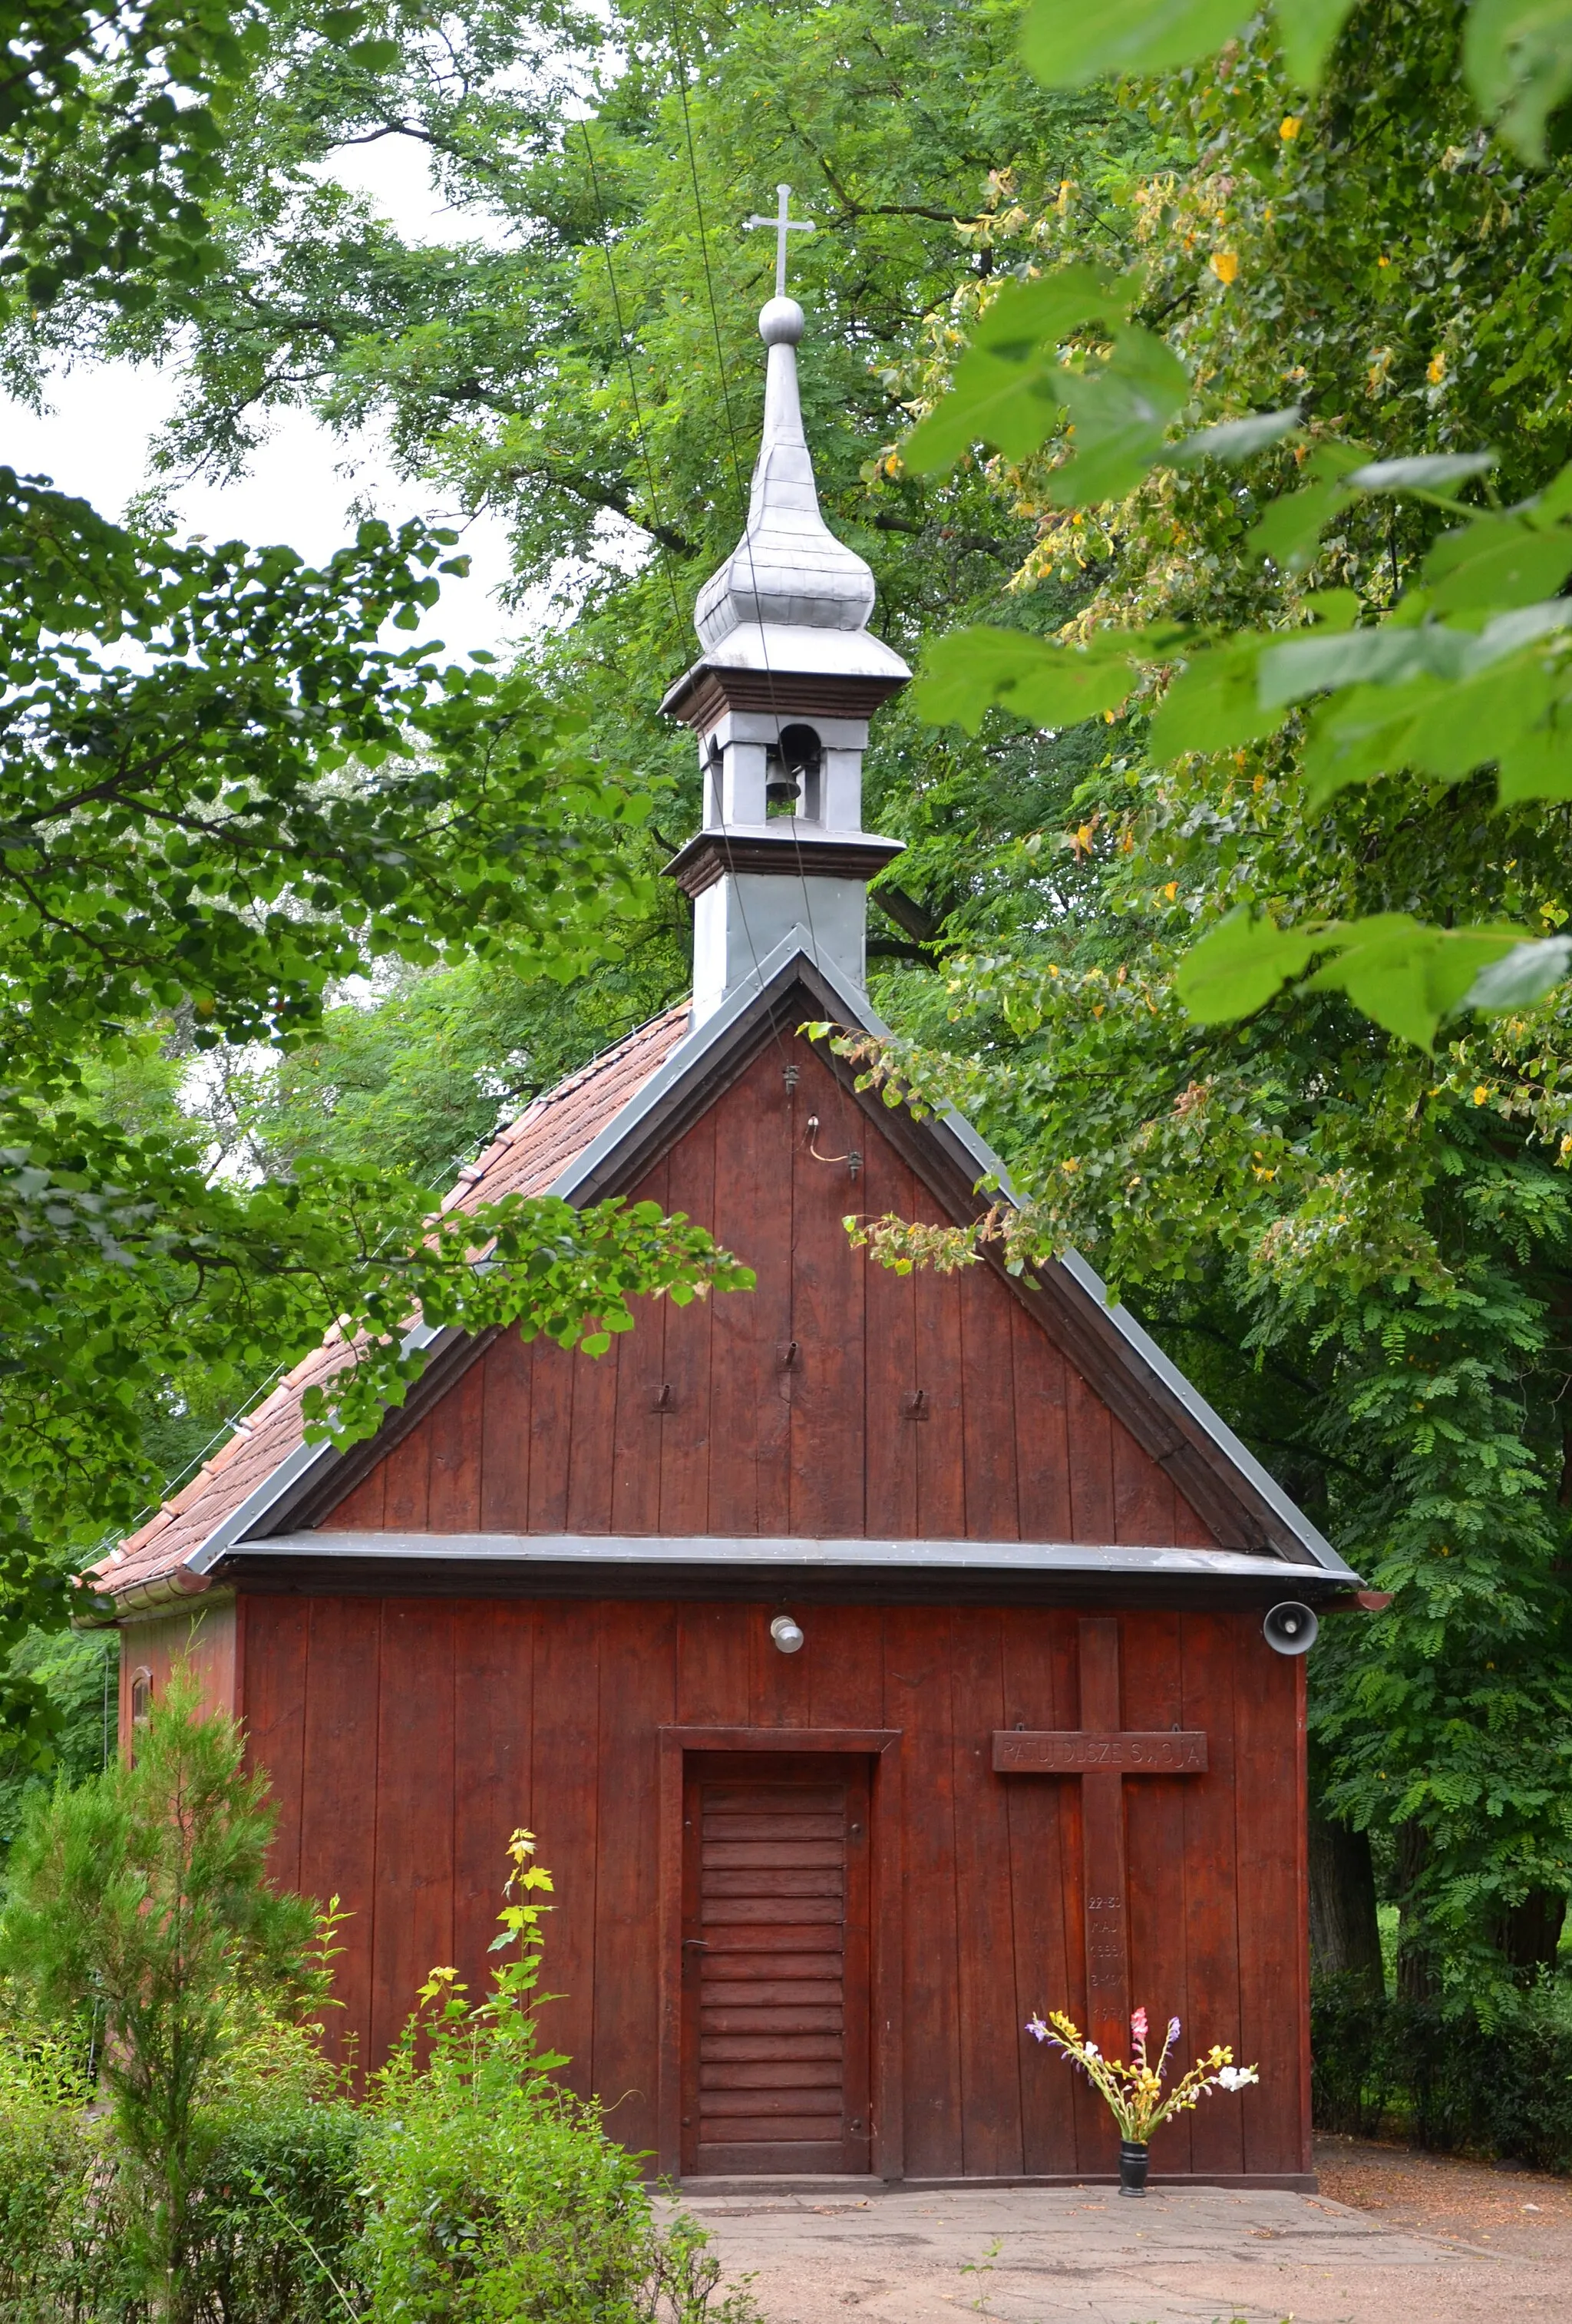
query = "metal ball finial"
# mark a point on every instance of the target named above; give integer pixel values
(781, 322)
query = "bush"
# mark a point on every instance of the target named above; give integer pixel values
(519, 2210)
(281, 2214)
(1444, 2078)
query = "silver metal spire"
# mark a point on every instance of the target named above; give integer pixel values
(788, 570)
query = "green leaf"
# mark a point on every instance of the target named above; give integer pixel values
(1537, 761)
(1386, 656)
(1213, 705)
(1356, 737)
(1517, 59)
(1120, 413)
(1406, 976)
(1006, 390)
(1307, 30)
(1238, 966)
(1290, 530)
(1067, 44)
(1525, 975)
(1428, 471)
(1236, 439)
(1497, 560)
(970, 672)
(1028, 318)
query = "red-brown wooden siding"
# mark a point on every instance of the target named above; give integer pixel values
(408, 1738)
(1012, 1443)
(201, 1636)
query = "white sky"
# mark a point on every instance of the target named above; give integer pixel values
(94, 441)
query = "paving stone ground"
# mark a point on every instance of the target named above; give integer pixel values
(1392, 2238)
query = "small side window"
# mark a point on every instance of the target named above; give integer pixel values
(141, 1705)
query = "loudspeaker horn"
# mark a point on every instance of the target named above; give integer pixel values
(1291, 1628)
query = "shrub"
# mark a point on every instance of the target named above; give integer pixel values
(1449, 2081)
(280, 2215)
(59, 2239)
(518, 2209)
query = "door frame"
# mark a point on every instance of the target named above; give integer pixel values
(881, 1747)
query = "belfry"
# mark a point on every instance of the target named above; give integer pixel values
(880, 1658)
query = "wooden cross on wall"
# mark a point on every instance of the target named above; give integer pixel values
(1102, 1755)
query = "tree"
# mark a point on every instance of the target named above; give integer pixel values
(1383, 1231)
(140, 1916)
(220, 791)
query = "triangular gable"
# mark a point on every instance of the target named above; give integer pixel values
(1103, 1442)
(838, 1399)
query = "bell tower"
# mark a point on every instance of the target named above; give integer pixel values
(780, 697)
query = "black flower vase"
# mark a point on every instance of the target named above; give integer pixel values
(1132, 2167)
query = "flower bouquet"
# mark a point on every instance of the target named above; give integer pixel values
(1134, 2094)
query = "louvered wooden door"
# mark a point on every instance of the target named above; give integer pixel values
(776, 2015)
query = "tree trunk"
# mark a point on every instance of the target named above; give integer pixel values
(1416, 1969)
(1531, 1932)
(1345, 1938)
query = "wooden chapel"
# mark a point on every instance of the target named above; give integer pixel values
(880, 1659)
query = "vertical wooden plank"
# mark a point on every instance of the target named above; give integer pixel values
(781, 1685)
(714, 1665)
(415, 1787)
(1042, 1431)
(750, 1397)
(685, 1432)
(1191, 1531)
(1091, 1476)
(1272, 2003)
(638, 1698)
(592, 1436)
(827, 1464)
(940, 1437)
(639, 1359)
(1045, 1893)
(1211, 1877)
(338, 1815)
(1105, 1865)
(916, 1665)
(988, 1407)
(551, 1384)
(408, 1476)
(492, 1677)
(990, 2050)
(454, 1484)
(273, 1705)
(891, 1422)
(363, 1509)
(566, 1799)
(846, 1676)
(506, 1419)
(1142, 1493)
(1155, 1822)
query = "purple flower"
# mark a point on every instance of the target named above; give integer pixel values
(1173, 2029)
(1035, 2026)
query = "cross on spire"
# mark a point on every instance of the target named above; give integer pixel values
(783, 225)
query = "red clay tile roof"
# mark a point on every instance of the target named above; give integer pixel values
(526, 1159)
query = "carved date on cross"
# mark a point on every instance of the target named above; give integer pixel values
(1102, 1755)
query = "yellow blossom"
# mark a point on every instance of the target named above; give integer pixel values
(1436, 369)
(1172, 890)
(1224, 264)
(1289, 128)
(1481, 1093)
